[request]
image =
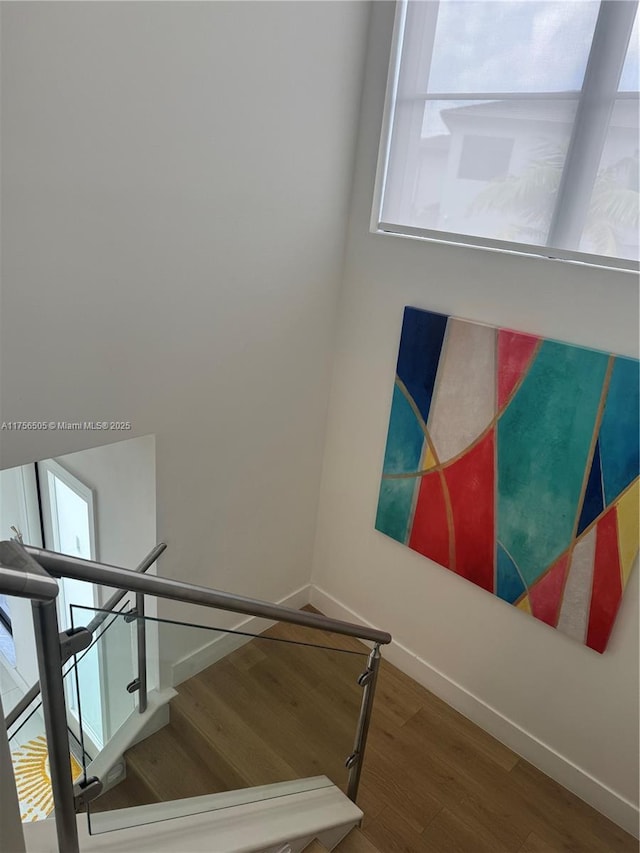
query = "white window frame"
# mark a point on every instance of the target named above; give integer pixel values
(50, 510)
(582, 137)
(92, 739)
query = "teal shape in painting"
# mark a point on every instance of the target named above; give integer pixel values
(402, 456)
(404, 439)
(544, 442)
(620, 429)
(509, 584)
(394, 507)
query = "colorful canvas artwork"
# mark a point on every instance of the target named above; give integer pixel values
(513, 461)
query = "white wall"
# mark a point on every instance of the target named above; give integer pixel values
(473, 649)
(175, 192)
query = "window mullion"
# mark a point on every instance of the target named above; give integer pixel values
(591, 124)
(418, 39)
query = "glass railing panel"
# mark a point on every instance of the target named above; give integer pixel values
(233, 716)
(30, 759)
(27, 738)
(98, 701)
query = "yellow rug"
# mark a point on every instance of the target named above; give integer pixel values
(33, 781)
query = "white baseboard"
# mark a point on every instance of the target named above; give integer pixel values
(616, 807)
(225, 643)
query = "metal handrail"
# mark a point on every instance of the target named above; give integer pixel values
(34, 691)
(35, 563)
(21, 576)
(61, 565)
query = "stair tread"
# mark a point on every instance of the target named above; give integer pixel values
(295, 729)
(196, 741)
(170, 771)
(228, 735)
(129, 792)
(355, 842)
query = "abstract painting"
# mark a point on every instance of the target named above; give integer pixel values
(513, 461)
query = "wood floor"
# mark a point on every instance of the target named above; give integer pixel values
(274, 710)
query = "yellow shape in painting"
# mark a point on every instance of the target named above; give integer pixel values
(429, 460)
(524, 604)
(628, 509)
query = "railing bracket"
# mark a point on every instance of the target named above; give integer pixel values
(131, 615)
(365, 677)
(86, 791)
(72, 641)
(352, 760)
(133, 686)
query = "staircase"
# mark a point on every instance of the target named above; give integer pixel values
(354, 842)
(254, 752)
(272, 711)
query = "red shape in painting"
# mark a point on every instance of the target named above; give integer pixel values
(606, 592)
(471, 482)
(545, 596)
(430, 528)
(514, 356)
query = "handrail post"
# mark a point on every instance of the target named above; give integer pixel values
(368, 679)
(45, 624)
(141, 626)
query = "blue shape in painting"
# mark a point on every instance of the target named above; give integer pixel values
(593, 502)
(620, 429)
(509, 584)
(420, 346)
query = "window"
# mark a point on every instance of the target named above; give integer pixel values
(68, 516)
(69, 525)
(514, 125)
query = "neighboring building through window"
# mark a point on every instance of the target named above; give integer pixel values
(485, 158)
(514, 125)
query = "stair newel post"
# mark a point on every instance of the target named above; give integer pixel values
(47, 636)
(367, 681)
